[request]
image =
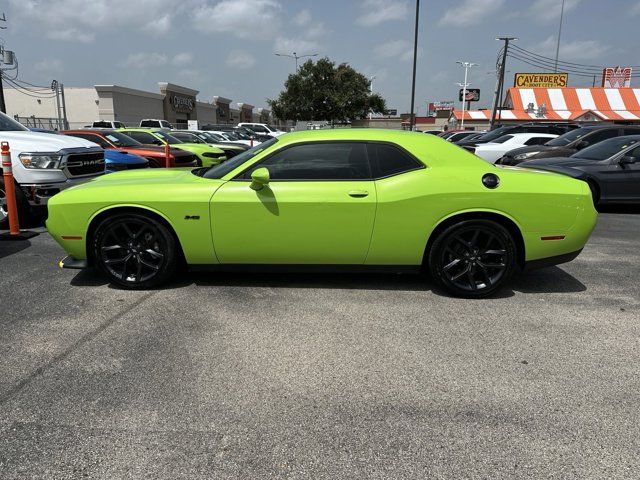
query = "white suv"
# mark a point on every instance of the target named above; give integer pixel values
(155, 123)
(262, 128)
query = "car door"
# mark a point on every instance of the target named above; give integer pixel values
(623, 179)
(318, 208)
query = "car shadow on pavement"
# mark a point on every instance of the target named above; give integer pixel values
(9, 247)
(547, 280)
(628, 209)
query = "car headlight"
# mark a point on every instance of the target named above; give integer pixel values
(525, 155)
(41, 160)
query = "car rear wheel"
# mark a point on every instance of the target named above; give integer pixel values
(473, 258)
(135, 251)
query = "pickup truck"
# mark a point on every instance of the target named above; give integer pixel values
(44, 164)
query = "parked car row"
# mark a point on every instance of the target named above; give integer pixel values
(605, 156)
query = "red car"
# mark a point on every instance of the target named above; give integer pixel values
(118, 140)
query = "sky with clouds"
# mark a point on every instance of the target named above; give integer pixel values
(226, 47)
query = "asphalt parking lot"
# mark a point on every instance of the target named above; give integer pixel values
(322, 376)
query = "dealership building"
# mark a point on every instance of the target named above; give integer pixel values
(174, 103)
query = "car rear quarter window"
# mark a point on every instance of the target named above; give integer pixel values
(387, 160)
(317, 161)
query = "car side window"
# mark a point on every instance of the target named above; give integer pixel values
(631, 131)
(635, 153)
(388, 160)
(600, 135)
(317, 161)
(537, 140)
(93, 138)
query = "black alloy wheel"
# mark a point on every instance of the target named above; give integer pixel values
(135, 251)
(473, 258)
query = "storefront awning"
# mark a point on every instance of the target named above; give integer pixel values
(564, 104)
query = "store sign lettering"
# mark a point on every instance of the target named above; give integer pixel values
(182, 103)
(541, 80)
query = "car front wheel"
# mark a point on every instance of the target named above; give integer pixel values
(473, 258)
(135, 251)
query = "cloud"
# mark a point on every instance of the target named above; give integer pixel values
(575, 50)
(635, 10)
(376, 12)
(258, 19)
(142, 60)
(394, 49)
(470, 12)
(48, 65)
(549, 10)
(302, 18)
(81, 21)
(182, 59)
(240, 59)
(299, 45)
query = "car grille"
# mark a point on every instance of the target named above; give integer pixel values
(80, 164)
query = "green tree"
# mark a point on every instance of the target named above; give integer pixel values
(324, 91)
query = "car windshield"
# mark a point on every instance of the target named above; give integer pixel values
(218, 137)
(188, 137)
(243, 133)
(493, 134)
(503, 139)
(232, 136)
(221, 170)
(8, 124)
(605, 149)
(122, 140)
(568, 137)
(170, 139)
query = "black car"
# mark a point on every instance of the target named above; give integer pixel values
(569, 143)
(611, 168)
(555, 128)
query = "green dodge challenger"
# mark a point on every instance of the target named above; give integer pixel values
(345, 199)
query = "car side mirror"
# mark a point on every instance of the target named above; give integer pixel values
(627, 160)
(582, 144)
(259, 178)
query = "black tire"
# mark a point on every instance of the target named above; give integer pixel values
(473, 258)
(24, 210)
(135, 251)
(595, 191)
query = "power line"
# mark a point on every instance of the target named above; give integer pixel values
(546, 65)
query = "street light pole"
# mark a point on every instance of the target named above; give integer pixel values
(555, 66)
(371, 79)
(295, 56)
(467, 66)
(412, 119)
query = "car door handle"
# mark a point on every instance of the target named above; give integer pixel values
(358, 193)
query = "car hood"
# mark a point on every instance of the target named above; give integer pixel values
(560, 161)
(545, 150)
(42, 142)
(198, 147)
(564, 170)
(148, 149)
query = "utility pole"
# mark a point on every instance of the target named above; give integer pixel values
(64, 108)
(467, 66)
(412, 118)
(500, 85)
(55, 88)
(555, 65)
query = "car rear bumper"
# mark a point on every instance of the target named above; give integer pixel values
(550, 261)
